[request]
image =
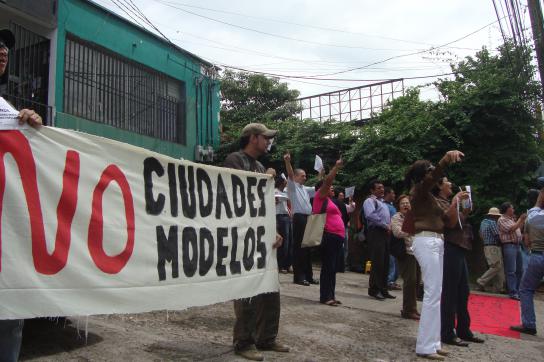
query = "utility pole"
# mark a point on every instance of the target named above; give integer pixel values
(535, 13)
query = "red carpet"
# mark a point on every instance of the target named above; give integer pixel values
(493, 315)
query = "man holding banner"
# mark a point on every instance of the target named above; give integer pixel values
(257, 318)
(11, 331)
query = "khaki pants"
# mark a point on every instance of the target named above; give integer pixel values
(494, 276)
(408, 272)
(257, 320)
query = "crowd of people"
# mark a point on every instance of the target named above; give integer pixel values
(429, 220)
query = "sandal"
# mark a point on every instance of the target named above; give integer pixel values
(337, 302)
(330, 303)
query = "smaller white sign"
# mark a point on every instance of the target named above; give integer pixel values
(318, 165)
(350, 191)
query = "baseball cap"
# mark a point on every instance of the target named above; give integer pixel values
(258, 129)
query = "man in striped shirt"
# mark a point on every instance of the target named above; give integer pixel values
(489, 233)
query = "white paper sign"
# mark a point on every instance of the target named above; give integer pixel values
(94, 226)
(318, 165)
(350, 191)
(8, 116)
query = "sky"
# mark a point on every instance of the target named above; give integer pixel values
(327, 39)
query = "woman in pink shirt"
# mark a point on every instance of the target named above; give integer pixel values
(333, 236)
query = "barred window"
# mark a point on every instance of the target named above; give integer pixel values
(104, 87)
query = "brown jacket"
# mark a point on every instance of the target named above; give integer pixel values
(453, 234)
(428, 214)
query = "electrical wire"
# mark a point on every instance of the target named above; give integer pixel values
(406, 55)
(134, 6)
(285, 76)
(279, 35)
(299, 24)
(382, 61)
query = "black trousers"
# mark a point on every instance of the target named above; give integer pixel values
(378, 242)
(455, 292)
(285, 251)
(331, 247)
(302, 262)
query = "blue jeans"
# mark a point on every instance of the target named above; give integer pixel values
(393, 274)
(524, 258)
(11, 336)
(513, 267)
(529, 283)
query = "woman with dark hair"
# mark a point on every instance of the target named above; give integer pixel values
(510, 235)
(408, 264)
(333, 236)
(428, 246)
(455, 289)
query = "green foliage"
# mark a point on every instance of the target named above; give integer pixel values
(486, 111)
(250, 97)
(406, 131)
(256, 98)
(306, 138)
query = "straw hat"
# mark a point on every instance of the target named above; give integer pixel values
(494, 211)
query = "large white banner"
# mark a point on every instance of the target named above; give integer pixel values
(94, 226)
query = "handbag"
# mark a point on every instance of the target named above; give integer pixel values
(315, 225)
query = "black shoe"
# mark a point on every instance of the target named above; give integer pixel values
(456, 342)
(313, 281)
(303, 282)
(378, 296)
(522, 329)
(473, 339)
(389, 296)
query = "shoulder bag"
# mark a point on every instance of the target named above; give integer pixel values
(315, 225)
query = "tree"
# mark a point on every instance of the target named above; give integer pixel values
(487, 111)
(248, 97)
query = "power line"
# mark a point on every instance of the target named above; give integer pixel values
(279, 35)
(128, 13)
(499, 20)
(297, 24)
(306, 61)
(406, 55)
(286, 76)
(135, 7)
(223, 48)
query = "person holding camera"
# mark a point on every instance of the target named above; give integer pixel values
(534, 227)
(455, 318)
(428, 217)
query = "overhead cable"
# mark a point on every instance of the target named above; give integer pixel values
(171, 4)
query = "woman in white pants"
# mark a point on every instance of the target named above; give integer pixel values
(427, 224)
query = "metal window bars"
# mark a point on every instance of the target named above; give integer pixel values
(28, 73)
(104, 87)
